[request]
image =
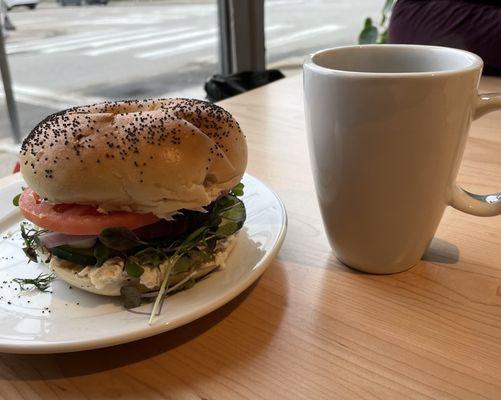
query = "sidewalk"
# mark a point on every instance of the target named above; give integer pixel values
(32, 109)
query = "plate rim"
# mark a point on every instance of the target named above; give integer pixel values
(9, 346)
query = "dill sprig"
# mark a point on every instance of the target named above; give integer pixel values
(41, 282)
(31, 238)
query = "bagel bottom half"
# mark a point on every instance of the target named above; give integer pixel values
(108, 279)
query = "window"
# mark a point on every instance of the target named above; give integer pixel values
(73, 52)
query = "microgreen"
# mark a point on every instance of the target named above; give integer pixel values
(228, 216)
(120, 239)
(237, 190)
(131, 296)
(163, 286)
(181, 257)
(133, 268)
(190, 260)
(102, 253)
(15, 200)
(150, 256)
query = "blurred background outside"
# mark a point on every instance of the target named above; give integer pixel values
(61, 56)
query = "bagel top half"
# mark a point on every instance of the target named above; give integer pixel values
(144, 156)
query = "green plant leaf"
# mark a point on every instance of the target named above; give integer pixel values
(190, 260)
(386, 11)
(196, 234)
(211, 244)
(226, 217)
(238, 189)
(227, 229)
(102, 253)
(384, 37)
(232, 216)
(192, 240)
(121, 239)
(369, 34)
(200, 257)
(150, 256)
(133, 268)
(131, 296)
(15, 200)
(183, 264)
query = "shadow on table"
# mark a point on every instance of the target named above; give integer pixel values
(441, 251)
(56, 366)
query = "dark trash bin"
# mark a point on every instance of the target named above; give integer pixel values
(220, 87)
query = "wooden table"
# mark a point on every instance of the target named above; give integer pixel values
(312, 328)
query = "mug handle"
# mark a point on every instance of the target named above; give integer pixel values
(476, 204)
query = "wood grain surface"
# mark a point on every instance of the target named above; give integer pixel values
(311, 328)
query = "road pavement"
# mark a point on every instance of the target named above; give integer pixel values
(64, 56)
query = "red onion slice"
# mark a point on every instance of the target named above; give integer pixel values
(54, 239)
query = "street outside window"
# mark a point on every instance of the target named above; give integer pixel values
(72, 52)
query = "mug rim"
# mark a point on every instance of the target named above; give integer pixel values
(476, 61)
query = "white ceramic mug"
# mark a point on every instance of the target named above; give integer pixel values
(387, 125)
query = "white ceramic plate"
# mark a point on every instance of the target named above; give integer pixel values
(71, 320)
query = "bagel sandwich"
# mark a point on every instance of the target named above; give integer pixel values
(134, 196)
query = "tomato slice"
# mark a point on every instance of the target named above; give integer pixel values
(77, 219)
